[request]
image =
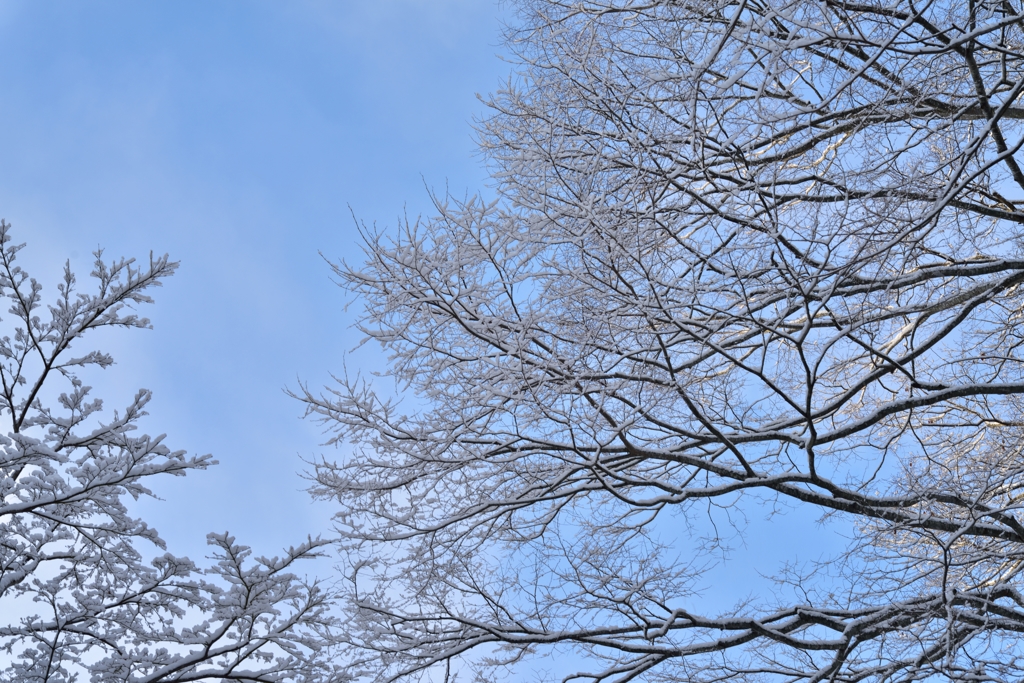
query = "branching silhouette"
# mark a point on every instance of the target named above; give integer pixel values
(740, 248)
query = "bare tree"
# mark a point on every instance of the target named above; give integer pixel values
(742, 250)
(80, 592)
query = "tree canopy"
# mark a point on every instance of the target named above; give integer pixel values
(740, 250)
(86, 588)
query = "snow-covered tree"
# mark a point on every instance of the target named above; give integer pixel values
(86, 589)
(743, 252)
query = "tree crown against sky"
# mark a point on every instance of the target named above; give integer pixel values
(86, 588)
(741, 251)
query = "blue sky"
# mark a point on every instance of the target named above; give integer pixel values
(235, 136)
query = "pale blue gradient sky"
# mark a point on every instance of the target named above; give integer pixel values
(234, 136)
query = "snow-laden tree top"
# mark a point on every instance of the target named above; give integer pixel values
(740, 251)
